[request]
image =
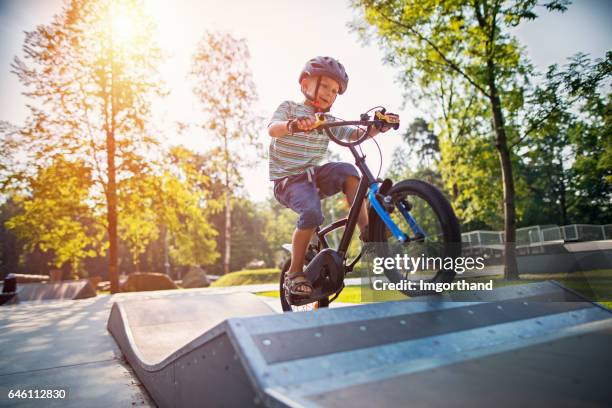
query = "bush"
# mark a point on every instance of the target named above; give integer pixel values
(249, 277)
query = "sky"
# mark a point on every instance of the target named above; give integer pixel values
(282, 36)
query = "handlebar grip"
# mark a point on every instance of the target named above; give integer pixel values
(389, 119)
(320, 120)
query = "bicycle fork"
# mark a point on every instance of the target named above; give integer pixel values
(384, 215)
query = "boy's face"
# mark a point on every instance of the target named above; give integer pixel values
(328, 90)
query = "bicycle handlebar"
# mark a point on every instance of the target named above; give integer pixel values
(381, 119)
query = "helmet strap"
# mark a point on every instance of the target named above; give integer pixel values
(312, 101)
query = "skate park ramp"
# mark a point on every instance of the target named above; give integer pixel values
(529, 345)
(65, 290)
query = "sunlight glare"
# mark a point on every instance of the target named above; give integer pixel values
(123, 24)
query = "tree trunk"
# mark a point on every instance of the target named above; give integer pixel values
(510, 267)
(111, 204)
(228, 215)
(562, 190)
(164, 239)
(563, 203)
(111, 192)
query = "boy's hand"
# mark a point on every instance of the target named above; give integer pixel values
(305, 123)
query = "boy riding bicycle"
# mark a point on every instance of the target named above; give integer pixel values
(295, 152)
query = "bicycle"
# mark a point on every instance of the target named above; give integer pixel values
(410, 212)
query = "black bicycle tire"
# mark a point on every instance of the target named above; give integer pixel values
(284, 304)
(446, 216)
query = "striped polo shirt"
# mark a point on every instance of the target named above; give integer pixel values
(293, 154)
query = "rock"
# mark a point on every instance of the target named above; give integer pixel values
(144, 281)
(196, 278)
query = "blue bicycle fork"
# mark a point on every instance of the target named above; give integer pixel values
(384, 215)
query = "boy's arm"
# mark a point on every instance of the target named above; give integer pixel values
(283, 127)
(279, 128)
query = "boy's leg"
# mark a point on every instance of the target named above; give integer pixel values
(337, 176)
(299, 244)
(302, 197)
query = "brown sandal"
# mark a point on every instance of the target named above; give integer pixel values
(296, 283)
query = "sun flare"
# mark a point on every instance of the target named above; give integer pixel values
(123, 27)
(125, 21)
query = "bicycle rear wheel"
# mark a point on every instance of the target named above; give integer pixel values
(440, 241)
(290, 308)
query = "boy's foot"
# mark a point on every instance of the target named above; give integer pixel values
(297, 284)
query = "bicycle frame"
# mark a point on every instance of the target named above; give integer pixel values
(368, 181)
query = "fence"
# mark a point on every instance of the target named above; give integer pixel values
(539, 235)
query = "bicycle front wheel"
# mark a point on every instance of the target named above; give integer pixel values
(422, 212)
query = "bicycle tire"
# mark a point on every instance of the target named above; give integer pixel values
(448, 233)
(289, 308)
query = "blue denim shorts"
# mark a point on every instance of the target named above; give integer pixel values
(304, 196)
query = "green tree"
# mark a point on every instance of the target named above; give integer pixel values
(184, 204)
(467, 44)
(279, 224)
(564, 146)
(10, 248)
(225, 88)
(591, 171)
(138, 225)
(56, 217)
(423, 142)
(92, 73)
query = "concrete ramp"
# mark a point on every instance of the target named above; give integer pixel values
(533, 345)
(179, 348)
(65, 290)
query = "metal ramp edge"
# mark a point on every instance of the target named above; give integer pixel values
(325, 358)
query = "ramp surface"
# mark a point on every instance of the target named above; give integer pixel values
(531, 345)
(156, 328)
(175, 350)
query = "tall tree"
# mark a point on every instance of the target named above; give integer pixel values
(92, 73)
(591, 172)
(423, 142)
(565, 142)
(468, 42)
(225, 88)
(184, 204)
(56, 218)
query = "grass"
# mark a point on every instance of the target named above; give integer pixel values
(592, 284)
(595, 284)
(350, 294)
(248, 277)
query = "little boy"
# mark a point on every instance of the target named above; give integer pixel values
(295, 152)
